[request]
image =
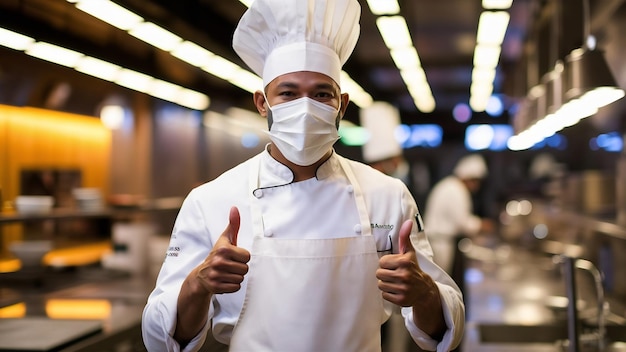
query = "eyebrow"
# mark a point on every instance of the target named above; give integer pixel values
(295, 86)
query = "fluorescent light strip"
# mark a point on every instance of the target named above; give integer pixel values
(109, 12)
(492, 27)
(54, 53)
(359, 96)
(192, 54)
(486, 56)
(222, 68)
(98, 68)
(107, 71)
(383, 7)
(156, 36)
(246, 80)
(483, 74)
(497, 4)
(14, 40)
(186, 51)
(397, 38)
(134, 80)
(394, 31)
(246, 3)
(418, 87)
(405, 58)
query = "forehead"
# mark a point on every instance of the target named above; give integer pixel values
(303, 80)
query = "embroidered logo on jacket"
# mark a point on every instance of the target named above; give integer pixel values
(382, 226)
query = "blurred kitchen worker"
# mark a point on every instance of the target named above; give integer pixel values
(298, 248)
(449, 214)
(382, 150)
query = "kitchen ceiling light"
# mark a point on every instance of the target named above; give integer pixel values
(589, 79)
(134, 80)
(110, 13)
(497, 4)
(156, 36)
(14, 40)
(483, 74)
(492, 27)
(553, 81)
(246, 80)
(192, 53)
(394, 31)
(112, 116)
(98, 68)
(54, 53)
(405, 58)
(486, 56)
(384, 7)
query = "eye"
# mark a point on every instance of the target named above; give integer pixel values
(288, 95)
(324, 94)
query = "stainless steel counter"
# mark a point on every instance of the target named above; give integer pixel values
(516, 300)
(109, 303)
(98, 306)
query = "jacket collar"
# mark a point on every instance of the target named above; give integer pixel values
(272, 173)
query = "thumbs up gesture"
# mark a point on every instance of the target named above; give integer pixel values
(400, 277)
(224, 268)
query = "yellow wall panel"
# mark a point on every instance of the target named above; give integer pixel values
(3, 162)
(37, 138)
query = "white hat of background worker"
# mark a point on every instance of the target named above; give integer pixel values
(471, 167)
(276, 37)
(381, 120)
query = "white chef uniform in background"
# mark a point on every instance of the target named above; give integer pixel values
(449, 209)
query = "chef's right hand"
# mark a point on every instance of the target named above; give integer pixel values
(224, 268)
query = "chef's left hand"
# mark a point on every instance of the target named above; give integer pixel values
(400, 277)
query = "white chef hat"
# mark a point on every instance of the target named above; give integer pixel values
(275, 37)
(471, 166)
(381, 120)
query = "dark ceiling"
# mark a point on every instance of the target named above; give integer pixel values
(443, 31)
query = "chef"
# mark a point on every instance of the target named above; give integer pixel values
(449, 213)
(298, 248)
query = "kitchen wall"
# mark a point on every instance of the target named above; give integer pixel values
(37, 139)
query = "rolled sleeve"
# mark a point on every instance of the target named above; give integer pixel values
(159, 324)
(454, 316)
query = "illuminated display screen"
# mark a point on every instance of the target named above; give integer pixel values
(487, 136)
(610, 142)
(425, 135)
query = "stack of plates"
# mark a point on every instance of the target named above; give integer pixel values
(88, 199)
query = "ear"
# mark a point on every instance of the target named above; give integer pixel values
(259, 103)
(345, 100)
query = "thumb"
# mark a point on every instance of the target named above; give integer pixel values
(404, 237)
(232, 230)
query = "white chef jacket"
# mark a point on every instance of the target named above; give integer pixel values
(449, 210)
(321, 205)
(449, 213)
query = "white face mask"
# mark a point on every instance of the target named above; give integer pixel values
(303, 129)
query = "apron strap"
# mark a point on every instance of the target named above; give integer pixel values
(366, 227)
(255, 209)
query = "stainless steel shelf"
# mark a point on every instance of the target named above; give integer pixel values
(157, 205)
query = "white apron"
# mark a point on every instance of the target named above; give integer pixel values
(316, 295)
